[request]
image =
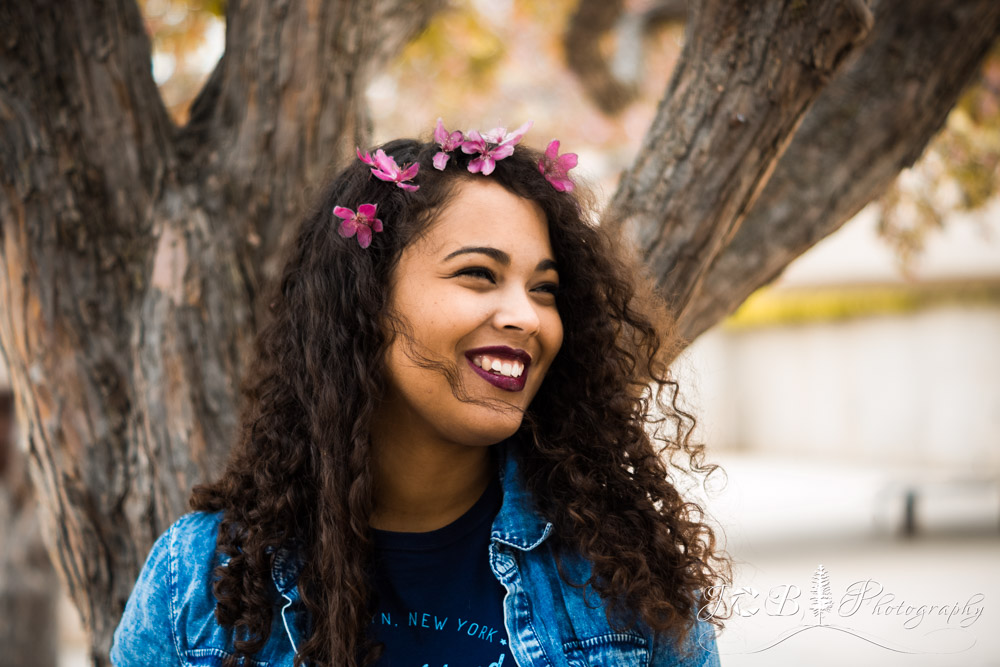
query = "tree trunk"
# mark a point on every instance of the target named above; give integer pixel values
(747, 74)
(706, 236)
(873, 120)
(132, 249)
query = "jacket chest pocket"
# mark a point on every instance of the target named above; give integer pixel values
(612, 650)
(215, 657)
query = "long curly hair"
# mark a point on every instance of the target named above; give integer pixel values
(604, 431)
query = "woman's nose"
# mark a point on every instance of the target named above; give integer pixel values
(516, 310)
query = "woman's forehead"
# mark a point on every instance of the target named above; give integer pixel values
(482, 213)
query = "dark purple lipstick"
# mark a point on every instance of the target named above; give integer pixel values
(505, 355)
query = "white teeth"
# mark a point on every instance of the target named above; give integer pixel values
(511, 368)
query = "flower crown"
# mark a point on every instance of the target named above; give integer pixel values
(490, 146)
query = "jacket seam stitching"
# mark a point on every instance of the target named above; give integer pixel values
(507, 539)
(529, 621)
(221, 653)
(607, 639)
(172, 585)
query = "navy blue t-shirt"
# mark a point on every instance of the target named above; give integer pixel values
(438, 600)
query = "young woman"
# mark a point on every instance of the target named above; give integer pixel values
(452, 448)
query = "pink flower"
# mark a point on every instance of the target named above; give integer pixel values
(448, 142)
(363, 223)
(384, 167)
(556, 167)
(499, 135)
(491, 146)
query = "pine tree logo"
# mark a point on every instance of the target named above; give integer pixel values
(822, 599)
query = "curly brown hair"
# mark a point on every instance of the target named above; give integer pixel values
(603, 428)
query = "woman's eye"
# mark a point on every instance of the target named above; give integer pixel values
(550, 288)
(477, 272)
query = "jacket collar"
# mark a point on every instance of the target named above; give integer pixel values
(517, 524)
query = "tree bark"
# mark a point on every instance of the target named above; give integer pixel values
(873, 120)
(131, 249)
(747, 74)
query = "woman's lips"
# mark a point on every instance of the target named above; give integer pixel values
(502, 381)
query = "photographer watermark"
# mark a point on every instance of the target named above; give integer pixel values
(919, 627)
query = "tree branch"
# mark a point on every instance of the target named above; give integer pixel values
(588, 24)
(746, 75)
(287, 101)
(666, 11)
(872, 121)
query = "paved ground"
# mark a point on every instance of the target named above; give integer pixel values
(888, 599)
(931, 599)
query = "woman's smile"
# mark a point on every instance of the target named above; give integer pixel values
(501, 366)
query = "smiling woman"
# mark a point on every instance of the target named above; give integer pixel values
(452, 439)
(477, 291)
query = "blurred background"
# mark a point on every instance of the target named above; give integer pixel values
(854, 404)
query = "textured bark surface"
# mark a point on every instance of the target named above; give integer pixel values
(131, 249)
(732, 104)
(874, 119)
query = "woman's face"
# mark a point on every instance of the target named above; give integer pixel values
(477, 293)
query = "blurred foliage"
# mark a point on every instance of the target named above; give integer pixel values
(959, 170)
(481, 63)
(475, 65)
(461, 42)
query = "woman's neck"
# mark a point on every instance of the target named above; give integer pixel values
(423, 486)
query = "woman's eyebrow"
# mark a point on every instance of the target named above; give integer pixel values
(499, 256)
(546, 265)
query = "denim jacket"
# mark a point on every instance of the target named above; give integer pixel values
(170, 616)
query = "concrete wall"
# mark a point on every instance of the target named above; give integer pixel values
(903, 389)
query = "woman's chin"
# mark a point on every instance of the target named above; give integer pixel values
(486, 432)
